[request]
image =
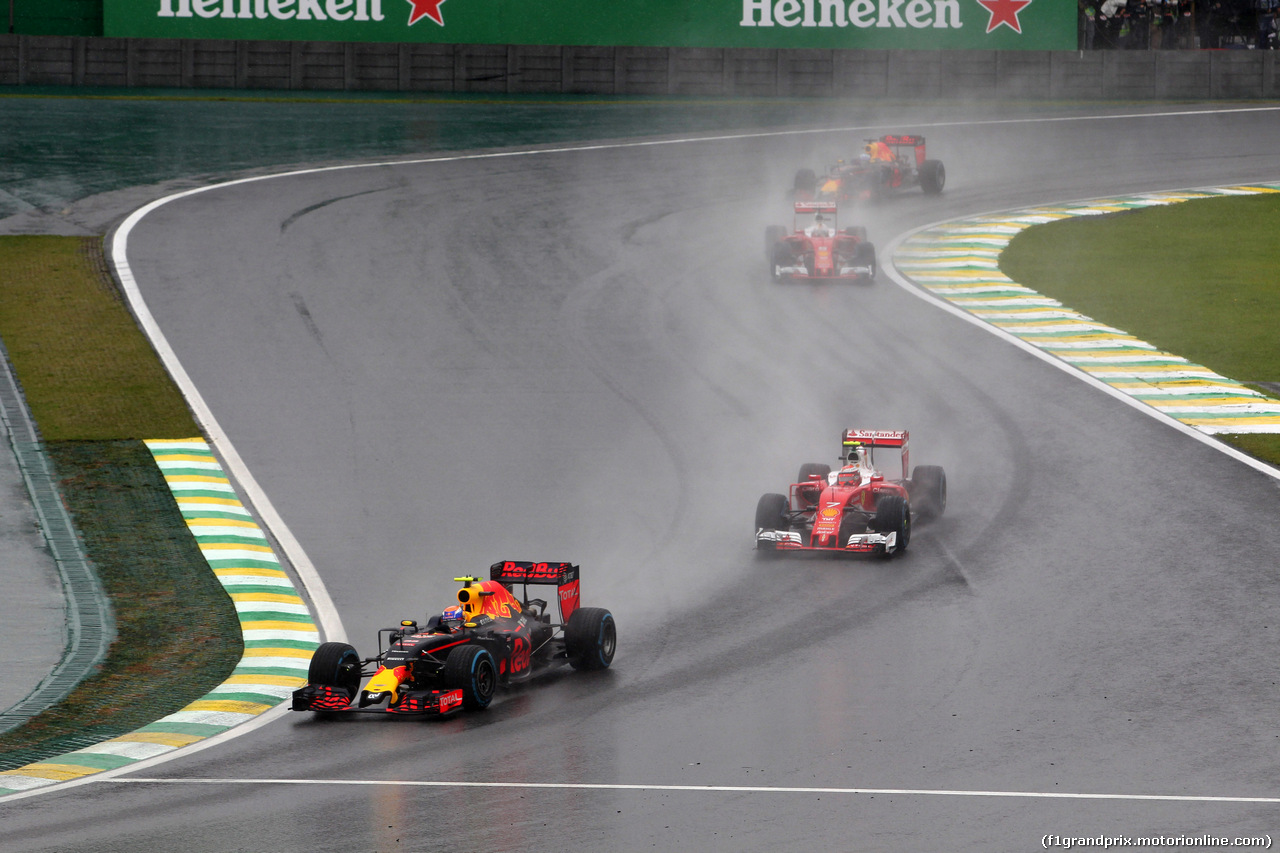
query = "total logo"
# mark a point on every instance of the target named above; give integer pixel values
(863, 14)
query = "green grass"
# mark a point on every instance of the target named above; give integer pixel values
(87, 370)
(95, 387)
(1200, 279)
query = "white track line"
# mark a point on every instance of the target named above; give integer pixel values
(724, 789)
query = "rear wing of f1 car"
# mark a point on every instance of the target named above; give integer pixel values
(876, 438)
(815, 207)
(564, 576)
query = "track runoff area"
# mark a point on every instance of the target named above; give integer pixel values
(317, 591)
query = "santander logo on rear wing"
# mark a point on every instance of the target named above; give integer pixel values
(815, 207)
(877, 437)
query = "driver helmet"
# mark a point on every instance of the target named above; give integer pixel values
(452, 617)
(819, 225)
(864, 158)
(854, 453)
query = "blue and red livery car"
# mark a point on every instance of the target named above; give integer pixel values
(456, 661)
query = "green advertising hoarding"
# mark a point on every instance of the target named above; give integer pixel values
(869, 24)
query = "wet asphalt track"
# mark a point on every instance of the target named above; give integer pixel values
(579, 356)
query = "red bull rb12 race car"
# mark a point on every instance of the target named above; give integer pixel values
(458, 659)
(855, 509)
(890, 163)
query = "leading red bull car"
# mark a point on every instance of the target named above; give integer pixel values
(855, 509)
(458, 658)
(886, 165)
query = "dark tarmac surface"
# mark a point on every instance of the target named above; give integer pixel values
(579, 356)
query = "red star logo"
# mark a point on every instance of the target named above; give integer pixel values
(1004, 12)
(431, 9)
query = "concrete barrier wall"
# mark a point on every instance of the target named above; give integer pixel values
(727, 72)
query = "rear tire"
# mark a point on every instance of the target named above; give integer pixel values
(335, 665)
(806, 181)
(472, 670)
(810, 468)
(933, 177)
(859, 231)
(771, 514)
(590, 638)
(893, 515)
(929, 490)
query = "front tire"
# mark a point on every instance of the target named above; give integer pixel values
(893, 515)
(471, 669)
(771, 514)
(865, 256)
(335, 665)
(590, 638)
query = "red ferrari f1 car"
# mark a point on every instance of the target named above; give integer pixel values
(816, 248)
(855, 509)
(458, 659)
(886, 165)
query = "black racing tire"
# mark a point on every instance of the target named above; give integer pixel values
(929, 490)
(933, 176)
(774, 248)
(806, 181)
(771, 514)
(335, 665)
(859, 231)
(471, 669)
(810, 468)
(773, 235)
(864, 255)
(590, 638)
(893, 515)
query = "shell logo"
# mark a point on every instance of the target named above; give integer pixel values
(830, 513)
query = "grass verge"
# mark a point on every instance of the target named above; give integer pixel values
(1198, 279)
(96, 388)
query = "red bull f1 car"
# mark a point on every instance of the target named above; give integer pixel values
(855, 509)
(816, 247)
(886, 165)
(458, 659)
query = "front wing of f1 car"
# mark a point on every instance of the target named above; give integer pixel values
(857, 543)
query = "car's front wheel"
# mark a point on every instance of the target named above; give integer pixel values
(771, 514)
(335, 665)
(893, 515)
(471, 669)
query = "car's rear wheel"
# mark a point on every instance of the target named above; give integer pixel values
(806, 181)
(893, 515)
(335, 665)
(933, 176)
(859, 231)
(472, 670)
(929, 490)
(810, 468)
(771, 514)
(590, 638)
